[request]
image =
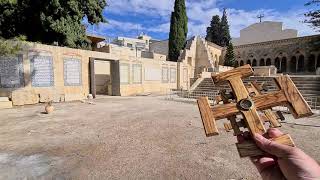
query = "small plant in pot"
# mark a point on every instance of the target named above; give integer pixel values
(49, 108)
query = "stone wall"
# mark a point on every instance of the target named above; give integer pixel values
(50, 73)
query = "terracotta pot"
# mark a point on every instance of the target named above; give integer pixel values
(49, 108)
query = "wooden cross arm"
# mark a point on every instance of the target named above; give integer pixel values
(288, 96)
(242, 72)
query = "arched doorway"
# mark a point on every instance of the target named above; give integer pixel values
(293, 64)
(312, 63)
(262, 63)
(241, 63)
(284, 64)
(249, 62)
(254, 62)
(277, 63)
(268, 63)
(300, 63)
(236, 64)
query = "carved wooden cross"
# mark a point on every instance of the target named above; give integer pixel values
(287, 95)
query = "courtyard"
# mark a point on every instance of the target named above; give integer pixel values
(142, 137)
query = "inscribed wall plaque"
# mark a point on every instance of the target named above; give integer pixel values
(124, 73)
(42, 71)
(173, 75)
(165, 74)
(137, 73)
(72, 72)
(11, 72)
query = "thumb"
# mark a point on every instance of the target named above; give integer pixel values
(272, 147)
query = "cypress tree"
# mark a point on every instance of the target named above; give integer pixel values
(213, 32)
(224, 30)
(178, 30)
(229, 59)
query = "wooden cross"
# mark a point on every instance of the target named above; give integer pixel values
(288, 95)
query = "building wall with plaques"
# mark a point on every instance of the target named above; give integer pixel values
(46, 73)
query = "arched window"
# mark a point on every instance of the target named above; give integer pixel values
(249, 62)
(301, 63)
(241, 63)
(277, 64)
(236, 64)
(268, 63)
(312, 63)
(284, 64)
(293, 64)
(262, 63)
(254, 62)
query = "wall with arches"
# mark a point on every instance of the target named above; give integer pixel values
(295, 55)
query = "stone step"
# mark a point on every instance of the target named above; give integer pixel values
(5, 104)
(4, 99)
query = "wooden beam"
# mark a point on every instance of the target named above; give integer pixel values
(207, 117)
(249, 148)
(242, 72)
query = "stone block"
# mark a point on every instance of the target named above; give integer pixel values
(4, 99)
(23, 97)
(5, 105)
(74, 97)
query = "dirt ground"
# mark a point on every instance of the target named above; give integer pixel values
(126, 138)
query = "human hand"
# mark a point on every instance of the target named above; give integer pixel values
(284, 162)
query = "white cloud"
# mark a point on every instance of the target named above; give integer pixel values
(199, 13)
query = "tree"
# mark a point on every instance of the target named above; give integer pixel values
(229, 59)
(50, 21)
(224, 30)
(178, 30)
(213, 32)
(10, 47)
(314, 15)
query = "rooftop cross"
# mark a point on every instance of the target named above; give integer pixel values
(260, 16)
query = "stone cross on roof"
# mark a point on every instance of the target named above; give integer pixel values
(260, 16)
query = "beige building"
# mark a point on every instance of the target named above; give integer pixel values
(141, 42)
(264, 31)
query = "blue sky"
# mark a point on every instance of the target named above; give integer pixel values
(132, 17)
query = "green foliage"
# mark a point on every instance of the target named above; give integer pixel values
(314, 15)
(213, 32)
(50, 21)
(178, 30)
(224, 29)
(218, 32)
(229, 59)
(9, 47)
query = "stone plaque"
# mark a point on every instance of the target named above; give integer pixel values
(173, 75)
(11, 72)
(42, 71)
(165, 74)
(124, 73)
(137, 73)
(72, 72)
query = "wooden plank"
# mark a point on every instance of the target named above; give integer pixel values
(261, 102)
(272, 118)
(251, 116)
(207, 117)
(249, 148)
(242, 72)
(295, 101)
(233, 118)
